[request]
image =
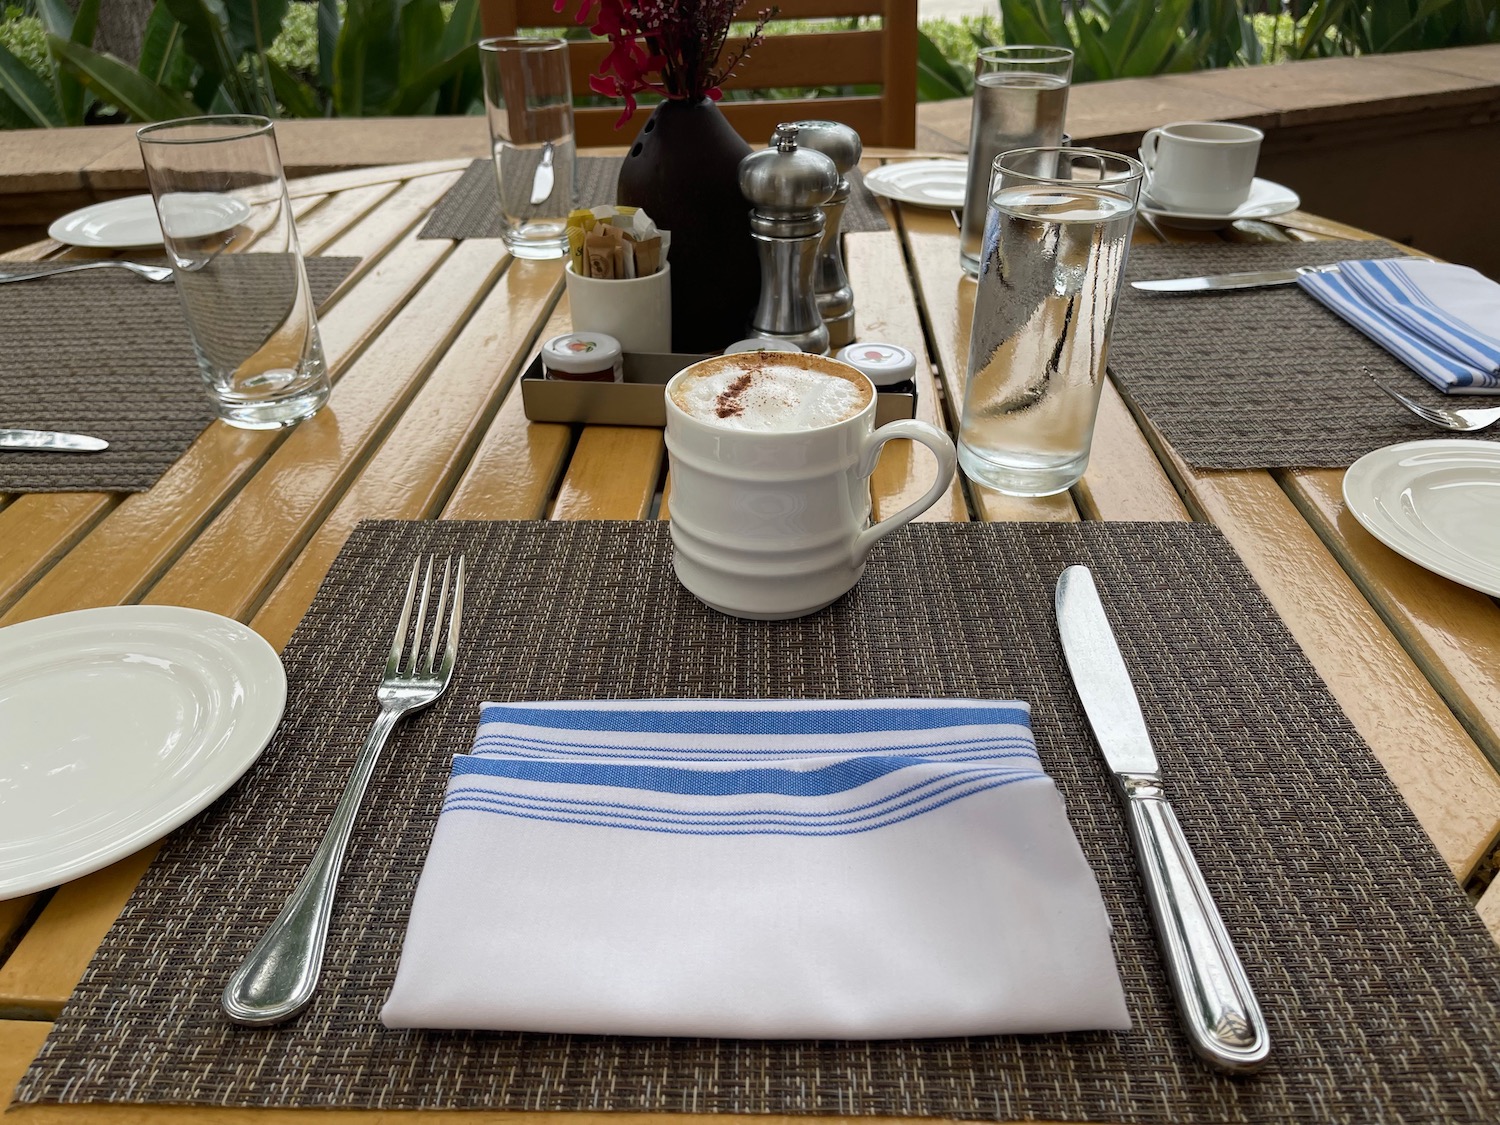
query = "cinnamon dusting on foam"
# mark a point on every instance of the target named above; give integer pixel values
(727, 404)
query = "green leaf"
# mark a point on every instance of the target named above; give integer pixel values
(1154, 51)
(937, 78)
(420, 39)
(252, 25)
(11, 115)
(296, 97)
(414, 94)
(205, 28)
(328, 38)
(60, 20)
(366, 63)
(164, 60)
(120, 85)
(28, 91)
(464, 27)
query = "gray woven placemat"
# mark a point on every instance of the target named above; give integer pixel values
(1258, 378)
(471, 207)
(108, 354)
(1381, 987)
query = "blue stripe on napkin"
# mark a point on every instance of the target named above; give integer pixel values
(1442, 370)
(809, 719)
(1388, 285)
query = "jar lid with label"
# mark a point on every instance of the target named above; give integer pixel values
(580, 355)
(761, 344)
(883, 364)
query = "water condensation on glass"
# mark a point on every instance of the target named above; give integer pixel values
(1049, 282)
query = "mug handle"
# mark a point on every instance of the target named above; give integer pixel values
(947, 460)
(1149, 144)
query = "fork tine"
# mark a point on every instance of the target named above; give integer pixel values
(393, 664)
(450, 653)
(416, 641)
(437, 620)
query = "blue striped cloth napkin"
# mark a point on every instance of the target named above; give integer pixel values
(1441, 320)
(765, 869)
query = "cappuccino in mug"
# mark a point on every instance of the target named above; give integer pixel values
(771, 454)
(771, 392)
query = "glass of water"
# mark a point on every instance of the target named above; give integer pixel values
(528, 96)
(227, 224)
(1020, 100)
(1059, 228)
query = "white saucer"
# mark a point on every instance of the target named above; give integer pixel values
(1266, 200)
(120, 724)
(130, 223)
(925, 183)
(1435, 502)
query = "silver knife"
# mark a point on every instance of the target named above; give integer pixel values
(1218, 1008)
(1256, 280)
(541, 182)
(51, 441)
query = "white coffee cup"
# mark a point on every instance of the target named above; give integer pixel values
(1200, 166)
(637, 311)
(775, 523)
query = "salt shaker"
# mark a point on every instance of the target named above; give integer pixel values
(840, 144)
(786, 187)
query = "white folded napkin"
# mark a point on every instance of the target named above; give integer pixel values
(766, 869)
(1442, 321)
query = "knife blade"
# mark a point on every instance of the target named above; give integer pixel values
(1255, 280)
(1218, 1008)
(542, 181)
(51, 441)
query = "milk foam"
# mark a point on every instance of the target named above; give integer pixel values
(771, 392)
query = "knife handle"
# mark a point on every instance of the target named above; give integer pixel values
(1219, 1011)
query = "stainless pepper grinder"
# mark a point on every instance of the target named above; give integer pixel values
(840, 144)
(787, 187)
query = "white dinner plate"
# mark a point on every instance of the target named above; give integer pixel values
(120, 724)
(130, 223)
(926, 183)
(1435, 502)
(1266, 200)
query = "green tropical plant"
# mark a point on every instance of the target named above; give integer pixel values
(1135, 38)
(1362, 27)
(375, 57)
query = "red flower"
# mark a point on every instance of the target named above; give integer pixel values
(669, 47)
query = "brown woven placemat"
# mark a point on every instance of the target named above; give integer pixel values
(1258, 378)
(107, 353)
(471, 207)
(1380, 985)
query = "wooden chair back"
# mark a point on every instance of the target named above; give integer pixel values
(886, 57)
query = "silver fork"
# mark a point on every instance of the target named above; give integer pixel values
(279, 977)
(150, 273)
(1463, 419)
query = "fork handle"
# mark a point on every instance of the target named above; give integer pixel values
(38, 274)
(279, 977)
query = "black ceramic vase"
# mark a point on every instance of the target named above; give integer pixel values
(683, 171)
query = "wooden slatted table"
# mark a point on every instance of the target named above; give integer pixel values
(426, 342)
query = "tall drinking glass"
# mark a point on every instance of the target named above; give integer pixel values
(227, 223)
(528, 96)
(1020, 100)
(1054, 253)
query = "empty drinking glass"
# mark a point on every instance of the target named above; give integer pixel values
(227, 224)
(528, 96)
(1059, 229)
(1020, 100)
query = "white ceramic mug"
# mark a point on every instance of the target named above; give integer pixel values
(637, 311)
(776, 524)
(1200, 166)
